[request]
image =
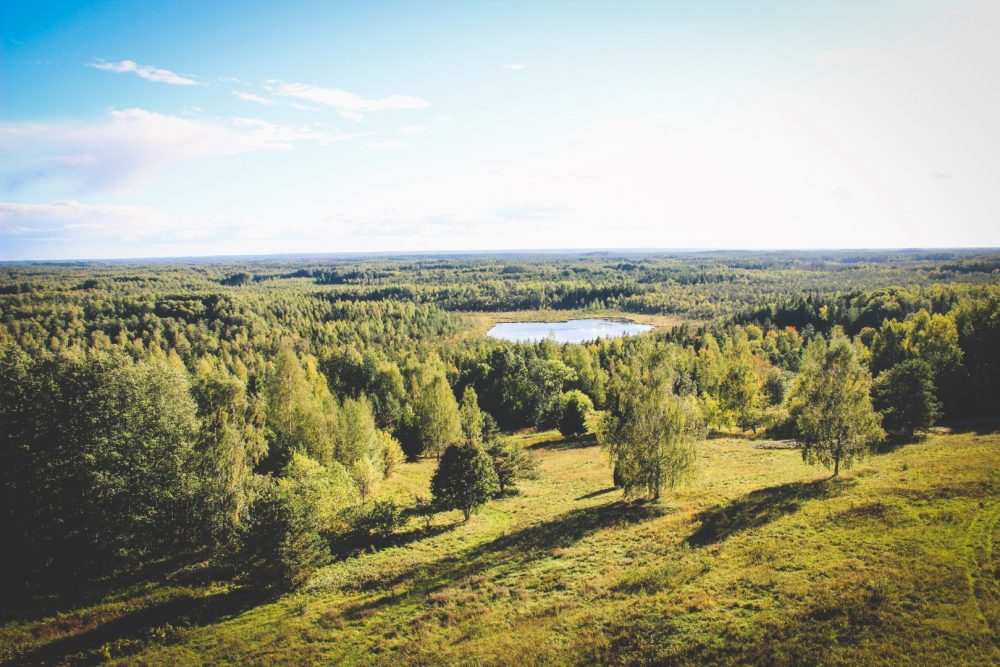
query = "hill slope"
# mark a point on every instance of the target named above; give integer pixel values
(762, 559)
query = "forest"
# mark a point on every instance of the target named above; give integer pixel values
(186, 445)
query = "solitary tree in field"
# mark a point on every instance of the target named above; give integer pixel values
(464, 479)
(649, 433)
(832, 406)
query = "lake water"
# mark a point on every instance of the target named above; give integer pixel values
(572, 331)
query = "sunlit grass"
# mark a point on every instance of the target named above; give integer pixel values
(760, 559)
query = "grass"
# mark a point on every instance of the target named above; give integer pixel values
(760, 560)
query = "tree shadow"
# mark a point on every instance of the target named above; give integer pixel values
(136, 628)
(513, 551)
(562, 444)
(60, 593)
(761, 507)
(594, 494)
(357, 543)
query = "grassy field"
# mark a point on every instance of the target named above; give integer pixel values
(761, 560)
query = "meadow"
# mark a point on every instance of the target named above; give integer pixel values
(759, 559)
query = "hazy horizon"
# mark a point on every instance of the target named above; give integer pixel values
(178, 130)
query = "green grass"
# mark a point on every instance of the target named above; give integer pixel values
(761, 559)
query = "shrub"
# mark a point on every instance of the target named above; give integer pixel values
(511, 463)
(280, 546)
(383, 517)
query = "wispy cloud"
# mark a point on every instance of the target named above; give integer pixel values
(411, 129)
(250, 97)
(349, 105)
(514, 66)
(148, 72)
(356, 116)
(132, 144)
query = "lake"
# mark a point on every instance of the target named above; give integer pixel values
(571, 331)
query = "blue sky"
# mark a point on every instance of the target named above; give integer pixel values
(136, 129)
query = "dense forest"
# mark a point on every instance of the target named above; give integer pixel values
(245, 412)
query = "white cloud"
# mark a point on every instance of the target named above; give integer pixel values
(72, 229)
(356, 116)
(132, 144)
(250, 97)
(388, 145)
(147, 72)
(411, 129)
(343, 100)
(514, 66)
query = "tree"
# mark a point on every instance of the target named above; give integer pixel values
(649, 431)
(739, 391)
(464, 479)
(471, 417)
(301, 412)
(904, 395)
(436, 419)
(511, 463)
(831, 404)
(576, 407)
(98, 464)
(230, 444)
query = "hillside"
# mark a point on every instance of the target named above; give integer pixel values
(761, 559)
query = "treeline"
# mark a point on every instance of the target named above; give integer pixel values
(702, 285)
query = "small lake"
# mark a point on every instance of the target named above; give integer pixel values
(572, 331)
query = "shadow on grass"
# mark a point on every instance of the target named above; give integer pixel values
(131, 631)
(562, 444)
(761, 507)
(61, 593)
(514, 551)
(594, 494)
(354, 544)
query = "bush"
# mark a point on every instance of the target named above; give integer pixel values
(382, 518)
(464, 479)
(280, 546)
(576, 407)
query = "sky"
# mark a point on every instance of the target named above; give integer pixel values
(166, 129)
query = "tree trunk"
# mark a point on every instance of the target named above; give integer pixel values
(836, 465)
(467, 511)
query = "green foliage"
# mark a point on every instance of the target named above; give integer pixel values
(382, 518)
(904, 395)
(577, 406)
(436, 419)
(301, 412)
(328, 490)
(231, 443)
(649, 431)
(471, 417)
(511, 463)
(831, 404)
(464, 479)
(280, 544)
(99, 468)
